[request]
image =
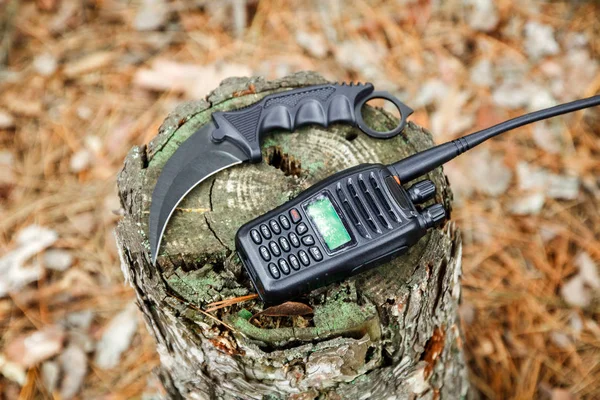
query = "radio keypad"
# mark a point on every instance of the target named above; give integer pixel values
(316, 253)
(303, 257)
(301, 228)
(308, 240)
(295, 215)
(279, 248)
(264, 253)
(294, 262)
(284, 244)
(274, 271)
(284, 266)
(275, 227)
(255, 236)
(275, 250)
(264, 230)
(294, 239)
(284, 221)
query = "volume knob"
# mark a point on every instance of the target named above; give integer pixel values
(434, 215)
(421, 191)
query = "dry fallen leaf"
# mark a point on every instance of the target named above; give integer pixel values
(575, 293)
(196, 81)
(45, 64)
(548, 136)
(369, 63)
(6, 120)
(50, 372)
(20, 105)
(562, 394)
(151, 15)
(13, 269)
(88, 63)
(532, 178)
(12, 370)
(7, 175)
(74, 364)
(80, 160)
(30, 349)
(116, 338)
(287, 309)
(482, 15)
(540, 40)
(492, 176)
(588, 269)
(482, 73)
(450, 118)
(313, 43)
(58, 259)
(530, 204)
(578, 291)
(84, 223)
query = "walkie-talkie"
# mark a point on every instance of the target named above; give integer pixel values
(356, 219)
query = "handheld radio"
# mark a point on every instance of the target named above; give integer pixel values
(356, 219)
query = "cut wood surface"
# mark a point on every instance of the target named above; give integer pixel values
(388, 333)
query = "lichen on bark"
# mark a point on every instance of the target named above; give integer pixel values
(388, 333)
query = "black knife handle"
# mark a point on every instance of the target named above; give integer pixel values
(320, 105)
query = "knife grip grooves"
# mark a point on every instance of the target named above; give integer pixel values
(321, 105)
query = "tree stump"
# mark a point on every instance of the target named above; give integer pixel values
(390, 333)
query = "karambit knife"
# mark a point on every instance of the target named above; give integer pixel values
(233, 137)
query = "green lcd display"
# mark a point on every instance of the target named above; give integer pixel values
(328, 222)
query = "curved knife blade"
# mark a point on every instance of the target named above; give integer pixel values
(195, 160)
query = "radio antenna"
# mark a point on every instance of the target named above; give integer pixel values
(421, 163)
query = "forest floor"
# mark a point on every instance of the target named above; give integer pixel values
(83, 81)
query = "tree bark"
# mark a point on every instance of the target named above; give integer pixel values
(390, 333)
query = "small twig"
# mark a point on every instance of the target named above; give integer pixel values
(229, 302)
(187, 303)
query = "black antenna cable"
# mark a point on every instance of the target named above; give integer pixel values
(421, 163)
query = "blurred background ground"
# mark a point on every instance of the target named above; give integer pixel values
(83, 81)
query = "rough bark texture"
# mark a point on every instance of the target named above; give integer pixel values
(390, 333)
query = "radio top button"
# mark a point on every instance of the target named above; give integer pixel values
(295, 215)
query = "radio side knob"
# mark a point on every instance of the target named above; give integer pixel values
(434, 215)
(421, 191)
